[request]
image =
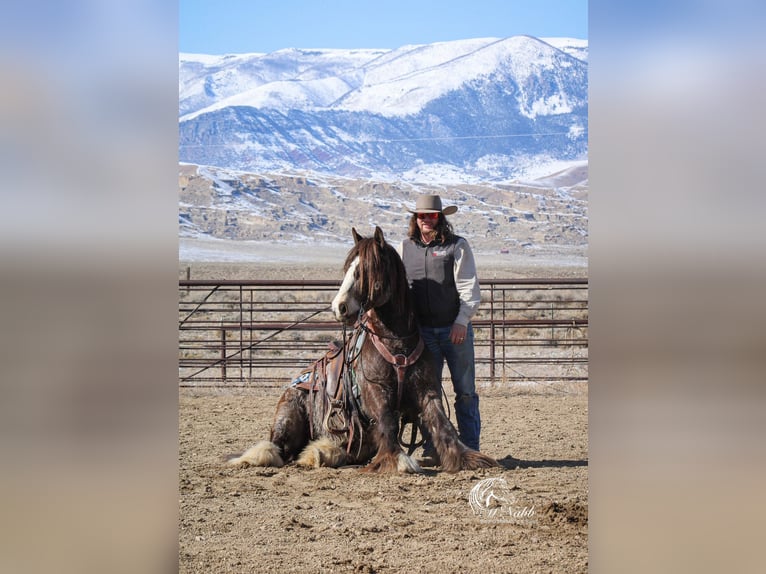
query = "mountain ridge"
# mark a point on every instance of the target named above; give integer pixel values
(550, 213)
(481, 106)
(297, 146)
(377, 67)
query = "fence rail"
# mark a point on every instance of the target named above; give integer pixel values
(263, 332)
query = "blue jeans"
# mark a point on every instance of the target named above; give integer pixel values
(462, 368)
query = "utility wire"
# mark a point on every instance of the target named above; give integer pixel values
(435, 138)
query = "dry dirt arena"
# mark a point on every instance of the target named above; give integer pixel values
(342, 520)
(326, 520)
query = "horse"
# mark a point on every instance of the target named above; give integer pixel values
(347, 408)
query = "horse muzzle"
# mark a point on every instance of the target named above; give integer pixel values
(346, 311)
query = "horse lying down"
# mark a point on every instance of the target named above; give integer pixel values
(348, 407)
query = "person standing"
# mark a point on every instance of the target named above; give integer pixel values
(442, 275)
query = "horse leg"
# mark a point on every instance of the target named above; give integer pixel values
(453, 454)
(389, 457)
(289, 433)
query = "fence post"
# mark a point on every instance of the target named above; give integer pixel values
(223, 354)
(492, 334)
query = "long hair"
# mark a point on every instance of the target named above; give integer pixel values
(380, 270)
(444, 231)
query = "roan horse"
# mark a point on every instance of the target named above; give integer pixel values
(347, 408)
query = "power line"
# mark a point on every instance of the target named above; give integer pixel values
(498, 136)
(435, 138)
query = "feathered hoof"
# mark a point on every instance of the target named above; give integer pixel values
(262, 453)
(408, 465)
(322, 452)
(390, 464)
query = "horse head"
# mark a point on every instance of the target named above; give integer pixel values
(374, 276)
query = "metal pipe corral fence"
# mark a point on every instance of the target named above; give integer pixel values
(242, 333)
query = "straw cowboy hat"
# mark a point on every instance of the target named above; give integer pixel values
(432, 204)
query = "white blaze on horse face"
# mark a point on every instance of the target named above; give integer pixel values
(344, 305)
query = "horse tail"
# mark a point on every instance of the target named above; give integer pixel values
(456, 457)
(262, 453)
(451, 456)
(473, 459)
(322, 452)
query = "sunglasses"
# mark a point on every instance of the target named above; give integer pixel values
(428, 215)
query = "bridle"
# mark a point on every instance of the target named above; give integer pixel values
(363, 326)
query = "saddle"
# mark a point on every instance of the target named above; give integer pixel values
(332, 377)
(324, 374)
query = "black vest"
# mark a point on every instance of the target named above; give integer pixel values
(431, 275)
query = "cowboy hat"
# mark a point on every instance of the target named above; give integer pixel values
(432, 204)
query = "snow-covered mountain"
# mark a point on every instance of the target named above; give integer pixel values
(486, 109)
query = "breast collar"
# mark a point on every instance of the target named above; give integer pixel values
(399, 361)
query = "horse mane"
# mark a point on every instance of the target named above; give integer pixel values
(380, 266)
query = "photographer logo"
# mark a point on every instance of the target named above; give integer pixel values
(492, 499)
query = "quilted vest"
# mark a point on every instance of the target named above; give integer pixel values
(431, 275)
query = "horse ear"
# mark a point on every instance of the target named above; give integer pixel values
(355, 235)
(379, 236)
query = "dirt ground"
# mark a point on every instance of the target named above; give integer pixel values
(341, 520)
(291, 519)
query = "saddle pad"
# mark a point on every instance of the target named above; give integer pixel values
(304, 381)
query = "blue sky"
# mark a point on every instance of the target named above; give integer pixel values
(240, 26)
